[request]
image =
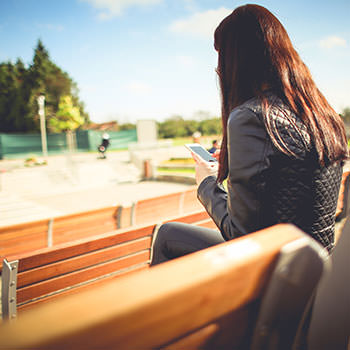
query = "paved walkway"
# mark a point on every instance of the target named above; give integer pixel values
(70, 184)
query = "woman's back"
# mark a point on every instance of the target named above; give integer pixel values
(265, 185)
(303, 193)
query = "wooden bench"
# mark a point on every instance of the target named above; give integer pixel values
(206, 300)
(45, 274)
(21, 238)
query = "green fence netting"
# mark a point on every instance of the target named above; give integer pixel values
(21, 145)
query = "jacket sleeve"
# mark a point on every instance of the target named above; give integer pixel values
(236, 212)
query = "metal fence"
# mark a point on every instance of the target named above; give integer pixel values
(22, 145)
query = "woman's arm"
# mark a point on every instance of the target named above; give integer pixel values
(236, 212)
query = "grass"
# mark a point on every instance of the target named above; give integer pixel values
(178, 161)
(176, 170)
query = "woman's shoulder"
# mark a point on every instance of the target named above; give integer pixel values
(286, 130)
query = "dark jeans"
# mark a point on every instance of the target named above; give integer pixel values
(176, 239)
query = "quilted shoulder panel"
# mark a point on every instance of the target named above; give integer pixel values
(287, 131)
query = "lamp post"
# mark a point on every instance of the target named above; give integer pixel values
(41, 103)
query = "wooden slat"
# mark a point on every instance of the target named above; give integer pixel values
(87, 224)
(82, 261)
(152, 308)
(25, 228)
(73, 235)
(86, 219)
(95, 223)
(157, 208)
(190, 201)
(67, 250)
(208, 224)
(190, 218)
(54, 284)
(90, 285)
(20, 236)
(26, 244)
(107, 211)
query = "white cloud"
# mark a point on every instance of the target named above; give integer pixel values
(331, 42)
(139, 88)
(112, 8)
(202, 24)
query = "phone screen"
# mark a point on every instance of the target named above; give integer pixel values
(203, 153)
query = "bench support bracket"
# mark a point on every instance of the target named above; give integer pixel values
(9, 286)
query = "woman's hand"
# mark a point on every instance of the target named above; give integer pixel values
(216, 154)
(204, 169)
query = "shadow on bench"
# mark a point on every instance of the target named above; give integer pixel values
(206, 300)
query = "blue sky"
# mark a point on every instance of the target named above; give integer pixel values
(150, 59)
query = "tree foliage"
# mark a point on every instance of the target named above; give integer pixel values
(68, 116)
(177, 126)
(127, 126)
(20, 87)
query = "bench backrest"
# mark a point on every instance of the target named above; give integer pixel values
(23, 237)
(16, 239)
(85, 224)
(206, 300)
(162, 207)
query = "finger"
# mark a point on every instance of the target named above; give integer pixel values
(217, 154)
(196, 158)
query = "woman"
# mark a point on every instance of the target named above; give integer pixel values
(283, 145)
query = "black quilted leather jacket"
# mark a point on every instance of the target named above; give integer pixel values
(264, 185)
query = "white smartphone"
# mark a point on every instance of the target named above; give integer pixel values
(201, 151)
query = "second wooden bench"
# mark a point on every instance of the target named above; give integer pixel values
(42, 275)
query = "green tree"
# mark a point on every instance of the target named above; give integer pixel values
(177, 126)
(14, 97)
(210, 126)
(127, 126)
(67, 118)
(20, 87)
(172, 127)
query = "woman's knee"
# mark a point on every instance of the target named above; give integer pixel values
(159, 244)
(163, 233)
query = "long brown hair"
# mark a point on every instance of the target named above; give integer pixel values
(255, 51)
